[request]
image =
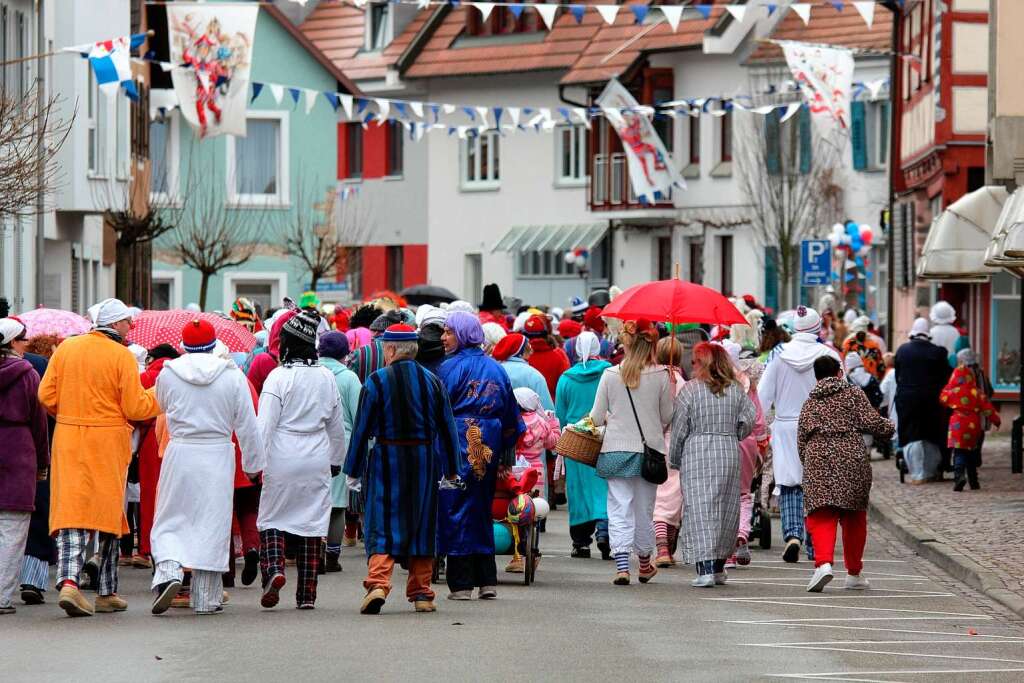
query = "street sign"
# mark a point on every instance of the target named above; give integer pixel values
(815, 263)
(329, 286)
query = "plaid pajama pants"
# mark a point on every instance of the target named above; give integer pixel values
(307, 561)
(791, 510)
(72, 547)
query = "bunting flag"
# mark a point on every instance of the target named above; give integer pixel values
(111, 62)
(825, 76)
(803, 10)
(215, 41)
(867, 11)
(650, 168)
(608, 12)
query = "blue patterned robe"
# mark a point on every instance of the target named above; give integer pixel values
(407, 404)
(481, 394)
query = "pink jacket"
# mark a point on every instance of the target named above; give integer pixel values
(541, 434)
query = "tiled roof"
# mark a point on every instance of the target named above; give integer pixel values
(558, 49)
(611, 53)
(339, 75)
(339, 31)
(827, 26)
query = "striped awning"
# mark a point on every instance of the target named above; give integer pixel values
(522, 238)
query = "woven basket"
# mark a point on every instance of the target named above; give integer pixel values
(583, 448)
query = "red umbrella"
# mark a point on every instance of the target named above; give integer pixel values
(674, 301)
(153, 328)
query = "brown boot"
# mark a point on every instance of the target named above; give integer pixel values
(106, 604)
(425, 606)
(373, 602)
(74, 603)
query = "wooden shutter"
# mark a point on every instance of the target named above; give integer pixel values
(806, 140)
(772, 143)
(771, 277)
(858, 136)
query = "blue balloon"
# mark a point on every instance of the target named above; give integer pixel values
(502, 538)
(859, 261)
(852, 230)
(856, 244)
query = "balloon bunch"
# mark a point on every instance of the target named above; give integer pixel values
(577, 257)
(852, 244)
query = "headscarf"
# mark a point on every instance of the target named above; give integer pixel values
(430, 315)
(528, 399)
(855, 370)
(358, 337)
(107, 312)
(587, 346)
(10, 329)
(966, 357)
(920, 329)
(466, 327)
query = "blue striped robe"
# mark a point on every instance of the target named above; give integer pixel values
(405, 403)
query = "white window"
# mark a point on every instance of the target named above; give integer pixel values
(123, 137)
(481, 166)
(163, 156)
(571, 162)
(877, 130)
(166, 290)
(264, 288)
(96, 114)
(258, 163)
(378, 28)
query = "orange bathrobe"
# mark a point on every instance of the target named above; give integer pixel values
(92, 387)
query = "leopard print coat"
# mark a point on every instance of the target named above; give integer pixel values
(837, 467)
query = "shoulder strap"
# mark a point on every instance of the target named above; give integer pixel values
(635, 416)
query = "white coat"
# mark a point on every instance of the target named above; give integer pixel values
(302, 425)
(785, 385)
(206, 399)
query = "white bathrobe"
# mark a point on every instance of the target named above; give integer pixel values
(785, 385)
(302, 426)
(206, 399)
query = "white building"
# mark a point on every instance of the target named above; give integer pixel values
(94, 163)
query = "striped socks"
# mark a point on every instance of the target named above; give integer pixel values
(645, 564)
(622, 562)
(661, 532)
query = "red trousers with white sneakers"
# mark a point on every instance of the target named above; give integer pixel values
(822, 525)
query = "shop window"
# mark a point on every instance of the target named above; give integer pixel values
(1005, 351)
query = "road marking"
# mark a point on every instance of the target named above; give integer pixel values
(756, 562)
(904, 630)
(826, 648)
(871, 574)
(974, 640)
(911, 595)
(794, 622)
(874, 579)
(816, 603)
(844, 675)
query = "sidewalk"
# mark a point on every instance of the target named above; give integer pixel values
(975, 536)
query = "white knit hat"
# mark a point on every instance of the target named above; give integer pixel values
(807, 320)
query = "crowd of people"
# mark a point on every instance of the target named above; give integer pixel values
(399, 427)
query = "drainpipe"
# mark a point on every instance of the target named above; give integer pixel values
(40, 140)
(893, 161)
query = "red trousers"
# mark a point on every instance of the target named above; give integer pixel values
(822, 525)
(378, 575)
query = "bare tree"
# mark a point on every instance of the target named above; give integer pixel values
(210, 232)
(793, 182)
(312, 235)
(32, 131)
(355, 224)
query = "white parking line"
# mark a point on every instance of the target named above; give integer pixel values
(910, 595)
(826, 648)
(881, 629)
(843, 675)
(794, 622)
(974, 640)
(815, 603)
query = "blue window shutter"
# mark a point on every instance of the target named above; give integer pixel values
(883, 133)
(805, 140)
(771, 277)
(858, 136)
(771, 139)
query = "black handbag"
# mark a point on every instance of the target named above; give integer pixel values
(653, 466)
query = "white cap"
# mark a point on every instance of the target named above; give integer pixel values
(108, 312)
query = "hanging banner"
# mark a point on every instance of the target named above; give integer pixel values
(650, 167)
(825, 76)
(214, 43)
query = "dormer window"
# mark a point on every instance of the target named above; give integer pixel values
(378, 26)
(502, 21)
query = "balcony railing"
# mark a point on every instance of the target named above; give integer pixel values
(611, 189)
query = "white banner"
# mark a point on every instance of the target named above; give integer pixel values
(215, 45)
(650, 167)
(825, 76)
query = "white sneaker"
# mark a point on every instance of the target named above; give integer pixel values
(856, 583)
(704, 581)
(721, 578)
(822, 575)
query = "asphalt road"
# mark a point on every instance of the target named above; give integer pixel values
(915, 624)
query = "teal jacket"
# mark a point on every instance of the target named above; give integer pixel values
(574, 397)
(349, 388)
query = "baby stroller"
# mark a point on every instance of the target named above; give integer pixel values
(760, 519)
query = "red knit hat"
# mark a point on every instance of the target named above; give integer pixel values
(592, 319)
(569, 329)
(198, 336)
(510, 345)
(536, 326)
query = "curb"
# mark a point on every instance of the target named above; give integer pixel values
(945, 557)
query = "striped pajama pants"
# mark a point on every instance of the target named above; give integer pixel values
(72, 547)
(35, 572)
(206, 591)
(791, 511)
(13, 534)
